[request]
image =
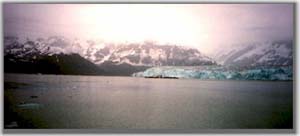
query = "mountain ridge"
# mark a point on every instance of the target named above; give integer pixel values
(145, 54)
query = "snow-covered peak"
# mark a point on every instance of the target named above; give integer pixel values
(149, 55)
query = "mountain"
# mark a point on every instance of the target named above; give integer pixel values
(61, 56)
(45, 56)
(40, 46)
(148, 54)
(58, 55)
(98, 52)
(276, 53)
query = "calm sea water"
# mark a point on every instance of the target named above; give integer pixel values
(126, 102)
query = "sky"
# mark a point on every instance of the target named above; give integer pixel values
(203, 26)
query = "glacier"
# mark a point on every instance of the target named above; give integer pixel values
(219, 73)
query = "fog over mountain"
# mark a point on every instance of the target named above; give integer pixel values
(206, 27)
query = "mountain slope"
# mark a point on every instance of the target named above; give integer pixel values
(277, 53)
(69, 64)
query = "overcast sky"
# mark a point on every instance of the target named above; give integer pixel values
(204, 26)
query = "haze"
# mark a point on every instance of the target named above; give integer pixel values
(204, 26)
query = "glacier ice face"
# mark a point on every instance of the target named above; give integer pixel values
(219, 73)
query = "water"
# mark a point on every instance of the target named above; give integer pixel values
(128, 102)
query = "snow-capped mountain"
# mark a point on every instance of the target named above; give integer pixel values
(47, 56)
(58, 55)
(144, 54)
(277, 53)
(148, 54)
(30, 49)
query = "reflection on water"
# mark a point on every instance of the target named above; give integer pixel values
(126, 102)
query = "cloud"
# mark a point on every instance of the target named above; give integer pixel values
(205, 26)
